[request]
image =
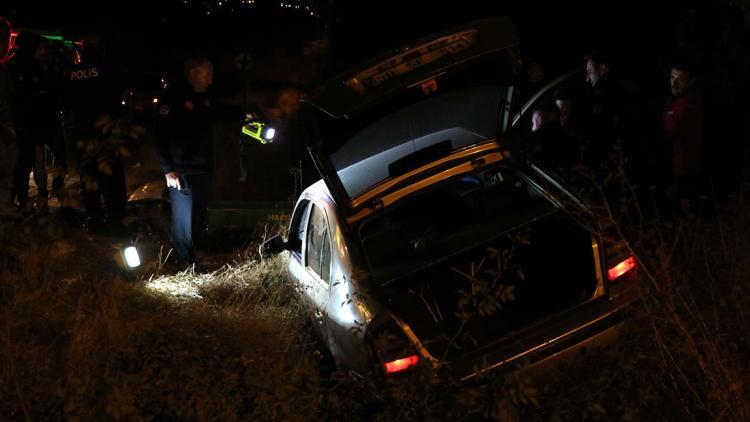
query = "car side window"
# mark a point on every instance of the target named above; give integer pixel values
(325, 258)
(297, 229)
(318, 252)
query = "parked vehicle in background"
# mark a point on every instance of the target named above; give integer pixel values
(430, 239)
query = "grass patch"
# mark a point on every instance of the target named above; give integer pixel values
(80, 341)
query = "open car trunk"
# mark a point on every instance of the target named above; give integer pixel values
(478, 257)
(499, 287)
(429, 98)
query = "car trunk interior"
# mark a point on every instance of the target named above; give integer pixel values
(512, 281)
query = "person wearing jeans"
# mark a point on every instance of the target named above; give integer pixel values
(185, 132)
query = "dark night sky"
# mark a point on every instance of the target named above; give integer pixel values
(359, 27)
(149, 34)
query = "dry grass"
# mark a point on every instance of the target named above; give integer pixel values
(81, 341)
(685, 350)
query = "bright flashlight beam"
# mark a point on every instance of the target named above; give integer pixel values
(270, 133)
(131, 257)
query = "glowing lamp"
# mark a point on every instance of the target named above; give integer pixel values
(129, 257)
(132, 260)
(258, 131)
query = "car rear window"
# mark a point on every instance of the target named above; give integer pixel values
(318, 252)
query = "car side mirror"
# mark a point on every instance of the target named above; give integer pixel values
(272, 246)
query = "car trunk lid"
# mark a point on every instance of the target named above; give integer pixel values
(406, 107)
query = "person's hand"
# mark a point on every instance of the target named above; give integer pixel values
(173, 180)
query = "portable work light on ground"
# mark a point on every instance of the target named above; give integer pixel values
(128, 257)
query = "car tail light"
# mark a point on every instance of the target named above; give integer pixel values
(391, 349)
(621, 269)
(402, 364)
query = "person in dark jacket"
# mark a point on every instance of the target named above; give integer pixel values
(606, 101)
(50, 110)
(185, 131)
(34, 116)
(8, 151)
(92, 93)
(683, 127)
(571, 117)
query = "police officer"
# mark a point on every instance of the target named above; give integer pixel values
(36, 114)
(26, 76)
(8, 152)
(185, 131)
(91, 93)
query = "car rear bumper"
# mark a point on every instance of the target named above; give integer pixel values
(591, 325)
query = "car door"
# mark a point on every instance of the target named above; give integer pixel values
(312, 266)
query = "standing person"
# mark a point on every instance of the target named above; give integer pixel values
(570, 113)
(48, 114)
(683, 127)
(8, 151)
(614, 123)
(52, 61)
(605, 110)
(29, 102)
(186, 148)
(91, 93)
